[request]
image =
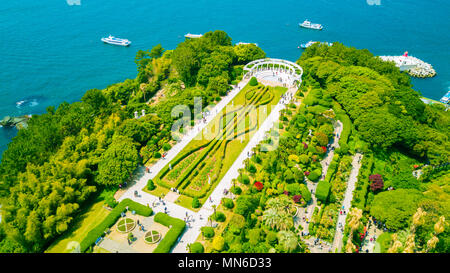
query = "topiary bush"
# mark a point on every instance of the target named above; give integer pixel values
(166, 147)
(150, 185)
(323, 190)
(236, 190)
(157, 155)
(253, 81)
(196, 248)
(244, 179)
(207, 232)
(314, 175)
(195, 203)
(218, 216)
(219, 243)
(228, 203)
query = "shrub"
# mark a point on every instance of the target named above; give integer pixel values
(166, 146)
(218, 216)
(323, 190)
(172, 235)
(253, 81)
(196, 248)
(314, 175)
(236, 190)
(150, 185)
(306, 194)
(258, 185)
(111, 219)
(244, 179)
(293, 189)
(219, 243)
(195, 203)
(110, 200)
(251, 168)
(207, 232)
(157, 155)
(228, 203)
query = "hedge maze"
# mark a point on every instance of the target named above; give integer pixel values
(204, 161)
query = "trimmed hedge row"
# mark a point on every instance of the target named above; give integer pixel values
(362, 186)
(111, 219)
(347, 123)
(332, 168)
(323, 190)
(176, 226)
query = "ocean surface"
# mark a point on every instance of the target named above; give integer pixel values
(51, 52)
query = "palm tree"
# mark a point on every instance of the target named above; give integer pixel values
(270, 217)
(282, 203)
(288, 240)
(276, 219)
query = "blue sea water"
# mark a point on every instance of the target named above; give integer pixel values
(51, 52)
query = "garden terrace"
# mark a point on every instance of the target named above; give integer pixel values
(205, 160)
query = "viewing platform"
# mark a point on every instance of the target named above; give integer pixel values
(412, 65)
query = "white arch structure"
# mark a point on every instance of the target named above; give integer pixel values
(290, 72)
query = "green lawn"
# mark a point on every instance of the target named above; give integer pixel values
(383, 243)
(89, 217)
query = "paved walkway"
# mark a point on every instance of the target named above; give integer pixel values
(346, 204)
(309, 210)
(113, 246)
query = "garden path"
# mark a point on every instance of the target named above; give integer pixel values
(346, 204)
(308, 211)
(113, 246)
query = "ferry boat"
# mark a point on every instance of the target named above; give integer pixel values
(193, 35)
(310, 43)
(446, 98)
(242, 43)
(116, 41)
(308, 24)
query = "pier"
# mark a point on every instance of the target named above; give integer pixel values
(411, 65)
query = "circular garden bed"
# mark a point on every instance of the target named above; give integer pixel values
(152, 237)
(126, 225)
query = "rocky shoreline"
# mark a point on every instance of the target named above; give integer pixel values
(412, 65)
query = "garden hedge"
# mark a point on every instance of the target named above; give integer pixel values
(177, 228)
(253, 82)
(111, 219)
(323, 190)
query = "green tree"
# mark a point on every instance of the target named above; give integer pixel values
(118, 162)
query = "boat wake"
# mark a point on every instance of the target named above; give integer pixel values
(29, 102)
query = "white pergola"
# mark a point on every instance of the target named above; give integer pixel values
(269, 65)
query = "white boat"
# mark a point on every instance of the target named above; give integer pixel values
(308, 24)
(242, 43)
(193, 35)
(446, 98)
(116, 41)
(310, 43)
